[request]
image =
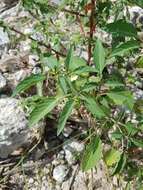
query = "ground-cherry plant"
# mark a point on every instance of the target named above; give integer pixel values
(95, 83)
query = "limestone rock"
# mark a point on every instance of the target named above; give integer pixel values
(60, 172)
(2, 82)
(14, 130)
(4, 41)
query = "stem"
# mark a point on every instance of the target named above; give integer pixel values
(73, 12)
(81, 26)
(92, 29)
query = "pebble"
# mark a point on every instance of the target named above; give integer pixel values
(60, 173)
(61, 155)
(71, 150)
(33, 60)
(70, 157)
(75, 146)
(4, 39)
(31, 180)
(56, 162)
(36, 70)
(2, 81)
(67, 131)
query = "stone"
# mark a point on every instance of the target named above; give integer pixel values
(13, 79)
(10, 3)
(2, 82)
(14, 130)
(31, 180)
(60, 173)
(4, 41)
(56, 1)
(13, 126)
(78, 146)
(12, 63)
(67, 131)
(75, 146)
(70, 157)
(33, 59)
(71, 150)
(8, 10)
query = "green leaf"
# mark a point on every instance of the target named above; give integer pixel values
(69, 58)
(117, 135)
(65, 115)
(50, 62)
(138, 107)
(120, 165)
(121, 28)
(92, 154)
(93, 107)
(114, 80)
(114, 83)
(85, 69)
(70, 85)
(125, 47)
(63, 84)
(112, 156)
(137, 142)
(42, 109)
(99, 56)
(139, 63)
(122, 98)
(137, 2)
(131, 130)
(27, 83)
(77, 62)
(89, 87)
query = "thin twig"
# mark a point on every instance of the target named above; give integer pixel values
(73, 12)
(68, 11)
(48, 46)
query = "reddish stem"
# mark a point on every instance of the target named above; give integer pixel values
(81, 26)
(92, 29)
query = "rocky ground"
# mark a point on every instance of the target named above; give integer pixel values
(50, 163)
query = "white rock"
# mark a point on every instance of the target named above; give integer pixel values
(13, 79)
(2, 81)
(75, 146)
(4, 39)
(60, 172)
(79, 147)
(14, 130)
(36, 70)
(31, 180)
(25, 45)
(56, 1)
(70, 157)
(10, 2)
(33, 60)
(13, 126)
(67, 131)
(9, 12)
(71, 150)
(61, 155)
